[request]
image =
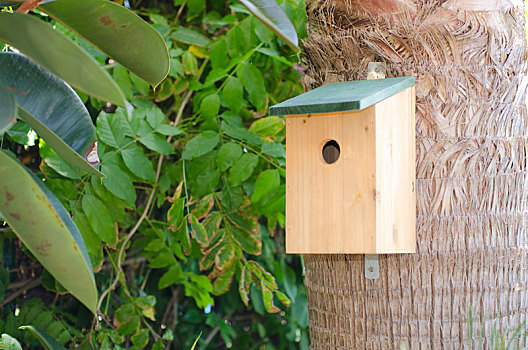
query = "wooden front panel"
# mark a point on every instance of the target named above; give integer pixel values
(331, 208)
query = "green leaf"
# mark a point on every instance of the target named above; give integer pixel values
(55, 162)
(267, 126)
(240, 133)
(218, 55)
(254, 84)
(233, 94)
(242, 169)
(31, 209)
(175, 214)
(117, 32)
(210, 106)
(156, 143)
(47, 341)
(266, 181)
(169, 130)
(141, 338)
(119, 183)
(58, 54)
(172, 276)
(91, 240)
(274, 149)
(271, 14)
(110, 130)
(283, 298)
(138, 163)
(200, 145)
(189, 36)
(227, 155)
(51, 108)
(7, 342)
(267, 296)
(122, 79)
(223, 281)
(199, 232)
(8, 108)
(248, 241)
(99, 218)
(190, 63)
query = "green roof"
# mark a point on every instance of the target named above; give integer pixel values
(343, 96)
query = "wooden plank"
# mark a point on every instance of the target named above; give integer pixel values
(343, 96)
(395, 174)
(330, 208)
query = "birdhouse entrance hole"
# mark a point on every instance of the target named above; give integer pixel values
(331, 151)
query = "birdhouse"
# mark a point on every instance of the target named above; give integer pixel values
(350, 168)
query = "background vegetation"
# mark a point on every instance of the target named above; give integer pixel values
(185, 231)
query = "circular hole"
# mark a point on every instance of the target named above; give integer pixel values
(331, 151)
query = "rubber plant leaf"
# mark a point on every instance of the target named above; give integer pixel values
(116, 31)
(8, 108)
(52, 108)
(272, 15)
(60, 55)
(47, 341)
(43, 225)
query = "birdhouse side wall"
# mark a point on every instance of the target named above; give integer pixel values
(395, 174)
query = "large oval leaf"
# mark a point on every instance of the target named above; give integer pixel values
(8, 108)
(116, 31)
(42, 223)
(57, 53)
(51, 108)
(272, 15)
(47, 341)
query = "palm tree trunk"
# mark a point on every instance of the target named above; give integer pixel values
(469, 57)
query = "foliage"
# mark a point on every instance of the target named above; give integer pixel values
(184, 231)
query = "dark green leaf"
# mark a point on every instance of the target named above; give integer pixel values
(8, 108)
(51, 108)
(116, 31)
(122, 79)
(227, 155)
(233, 94)
(163, 258)
(119, 183)
(242, 169)
(172, 276)
(99, 218)
(138, 163)
(254, 84)
(274, 149)
(19, 133)
(47, 341)
(266, 181)
(271, 14)
(200, 145)
(210, 106)
(30, 209)
(248, 241)
(92, 241)
(218, 54)
(189, 36)
(55, 162)
(156, 143)
(58, 54)
(240, 133)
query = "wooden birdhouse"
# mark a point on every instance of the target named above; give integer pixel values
(350, 168)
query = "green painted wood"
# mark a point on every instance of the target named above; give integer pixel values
(343, 96)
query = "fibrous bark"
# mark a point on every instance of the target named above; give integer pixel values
(469, 58)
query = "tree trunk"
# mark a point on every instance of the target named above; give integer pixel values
(468, 280)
